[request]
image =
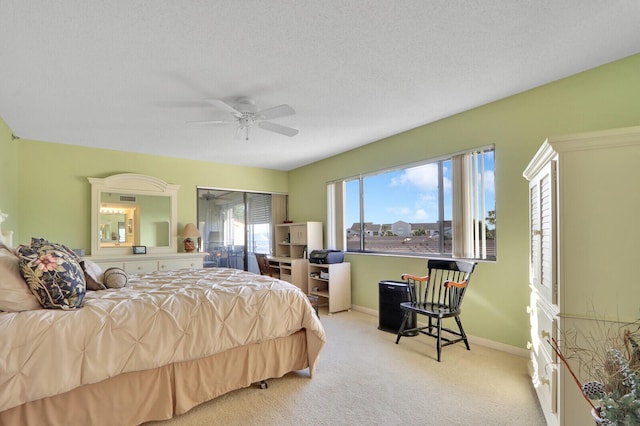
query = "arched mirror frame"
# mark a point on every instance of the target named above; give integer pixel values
(132, 184)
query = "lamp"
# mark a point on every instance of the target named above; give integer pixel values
(189, 233)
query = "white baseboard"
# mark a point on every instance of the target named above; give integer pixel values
(364, 310)
(524, 353)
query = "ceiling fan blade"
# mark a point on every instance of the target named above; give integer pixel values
(223, 106)
(275, 112)
(278, 128)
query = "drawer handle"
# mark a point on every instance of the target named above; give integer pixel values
(545, 334)
(529, 345)
(529, 309)
(544, 381)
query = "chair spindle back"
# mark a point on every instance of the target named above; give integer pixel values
(435, 291)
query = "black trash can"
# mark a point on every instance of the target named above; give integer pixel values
(390, 294)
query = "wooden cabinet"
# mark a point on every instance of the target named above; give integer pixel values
(292, 244)
(297, 239)
(142, 264)
(584, 235)
(291, 270)
(332, 284)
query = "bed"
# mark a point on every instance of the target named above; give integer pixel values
(153, 349)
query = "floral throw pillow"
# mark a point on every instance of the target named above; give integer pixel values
(53, 274)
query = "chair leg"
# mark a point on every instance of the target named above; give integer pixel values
(462, 333)
(404, 321)
(439, 337)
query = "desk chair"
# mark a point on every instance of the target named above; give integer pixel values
(265, 266)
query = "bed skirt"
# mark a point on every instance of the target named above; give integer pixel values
(161, 393)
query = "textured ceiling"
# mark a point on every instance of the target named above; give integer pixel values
(129, 75)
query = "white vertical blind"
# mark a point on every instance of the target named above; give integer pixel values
(335, 216)
(469, 210)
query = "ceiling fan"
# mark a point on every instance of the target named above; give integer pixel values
(246, 115)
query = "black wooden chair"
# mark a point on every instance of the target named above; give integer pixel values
(438, 295)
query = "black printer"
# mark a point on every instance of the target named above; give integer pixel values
(326, 256)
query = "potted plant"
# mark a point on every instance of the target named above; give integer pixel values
(610, 370)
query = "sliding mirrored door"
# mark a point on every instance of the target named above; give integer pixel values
(235, 225)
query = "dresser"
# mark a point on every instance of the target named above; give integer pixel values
(584, 220)
(144, 263)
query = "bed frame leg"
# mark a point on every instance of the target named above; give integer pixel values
(263, 384)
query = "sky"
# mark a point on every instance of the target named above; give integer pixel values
(410, 195)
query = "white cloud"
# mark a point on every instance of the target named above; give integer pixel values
(399, 211)
(421, 215)
(424, 177)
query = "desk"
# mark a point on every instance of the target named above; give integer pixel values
(292, 270)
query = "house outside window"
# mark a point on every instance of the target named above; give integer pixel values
(443, 207)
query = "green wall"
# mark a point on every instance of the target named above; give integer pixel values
(495, 308)
(8, 177)
(45, 191)
(55, 195)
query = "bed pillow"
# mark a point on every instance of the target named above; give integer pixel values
(93, 275)
(53, 274)
(15, 295)
(115, 278)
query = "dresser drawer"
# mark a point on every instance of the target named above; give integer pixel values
(547, 329)
(545, 380)
(141, 267)
(168, 265)
(144, 264)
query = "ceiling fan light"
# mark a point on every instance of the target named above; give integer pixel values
(247, 115)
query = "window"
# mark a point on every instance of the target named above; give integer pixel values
(444, 207)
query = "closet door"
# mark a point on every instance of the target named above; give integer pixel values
(542, 194)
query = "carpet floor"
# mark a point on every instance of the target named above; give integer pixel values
(364, 378)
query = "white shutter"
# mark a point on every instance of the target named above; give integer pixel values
(543, 233)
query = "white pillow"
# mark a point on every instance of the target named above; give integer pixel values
(115, 278)
(93, 275)
(15, 295)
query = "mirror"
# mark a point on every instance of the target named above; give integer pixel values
(134, 220)
(133, 210)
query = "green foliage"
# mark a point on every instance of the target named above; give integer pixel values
(615, 383)
(618, 398)
(620, 404)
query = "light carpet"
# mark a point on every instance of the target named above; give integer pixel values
(364, 378)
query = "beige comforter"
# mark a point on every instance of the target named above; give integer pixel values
(158, 319)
